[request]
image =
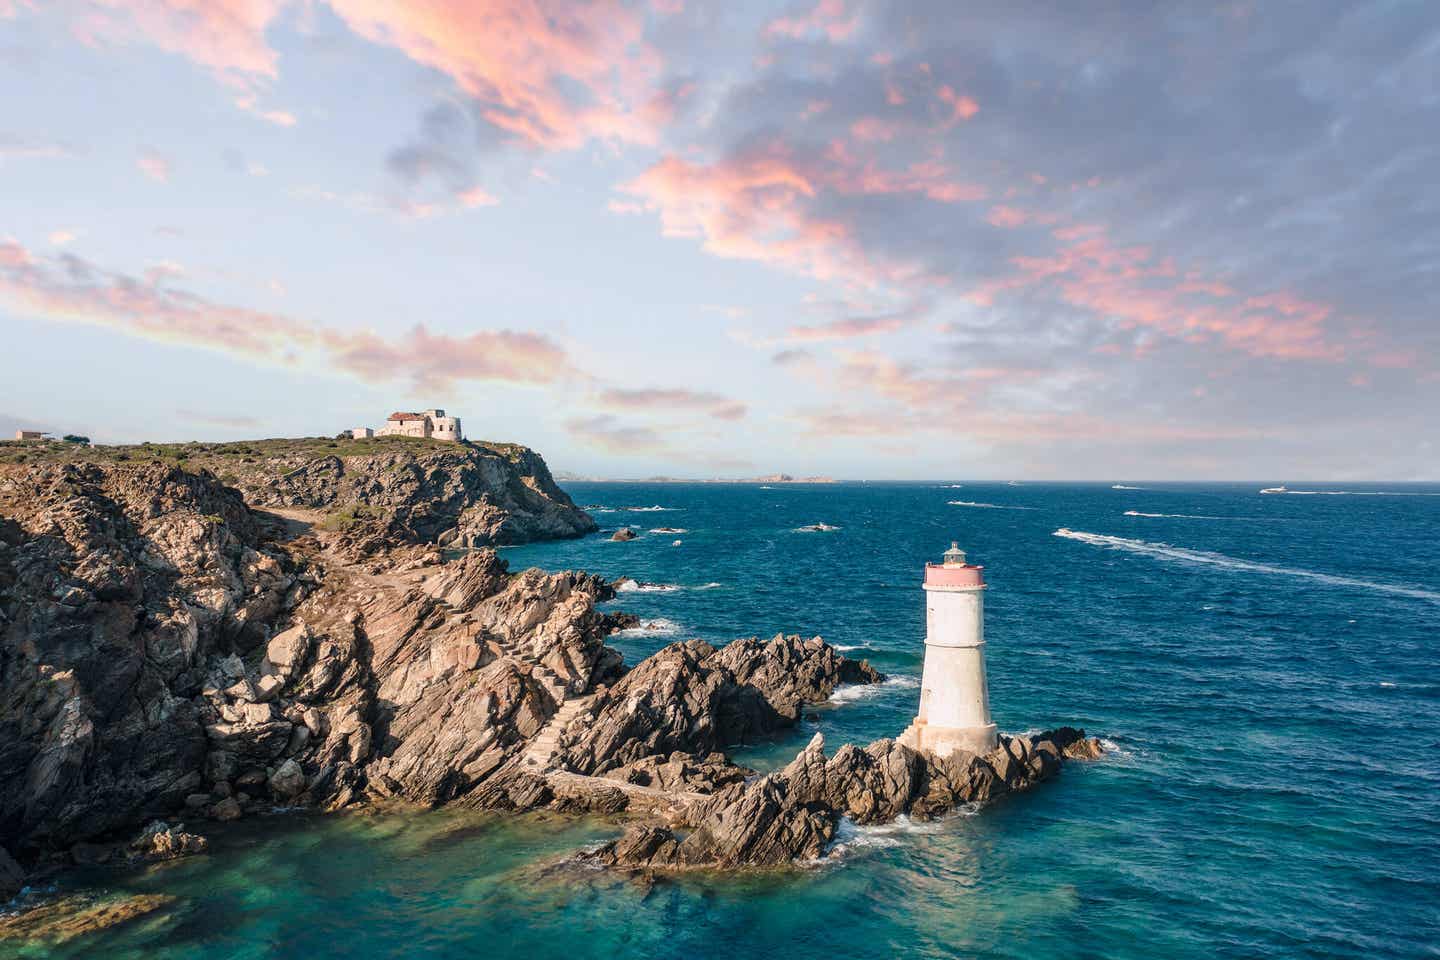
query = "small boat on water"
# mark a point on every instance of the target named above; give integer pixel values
(1275, 490)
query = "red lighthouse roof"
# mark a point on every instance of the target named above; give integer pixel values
(955, 571)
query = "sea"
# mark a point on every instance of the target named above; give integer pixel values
(1264, 671)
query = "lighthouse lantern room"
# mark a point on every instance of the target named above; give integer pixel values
(954, 697)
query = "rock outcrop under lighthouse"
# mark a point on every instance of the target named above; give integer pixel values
(793, 815)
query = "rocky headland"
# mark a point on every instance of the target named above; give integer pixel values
(177, 648)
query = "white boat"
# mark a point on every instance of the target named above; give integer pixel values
(1274, 490)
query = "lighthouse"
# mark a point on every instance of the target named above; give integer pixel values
(954, 698)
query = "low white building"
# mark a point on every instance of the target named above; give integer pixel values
(430, 424)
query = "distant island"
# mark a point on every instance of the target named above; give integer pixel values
(566, 477)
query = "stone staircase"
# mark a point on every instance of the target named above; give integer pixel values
(541, 749)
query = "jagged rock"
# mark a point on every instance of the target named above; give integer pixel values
(682, 772)
(791, 815)
(12, 876)
(288, 780)
(227, 809)
(161, 841)
(624, 533)
(157, 640)
(691, 698)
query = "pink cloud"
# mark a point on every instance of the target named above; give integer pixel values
(518, 57)
(1137, 289)
(68, 288)
(860, 326)
(961, 106)
(828, 18)
(225, 36)
(153, 165)
(613, 436)
(476, 196)
(665, 400)
(522, 60)
(765, 205)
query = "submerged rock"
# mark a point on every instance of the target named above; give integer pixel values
(60, 921)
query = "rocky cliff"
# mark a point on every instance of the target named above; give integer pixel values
(452, 494)
(169, 651)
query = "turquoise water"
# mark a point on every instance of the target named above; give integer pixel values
(1265, 667)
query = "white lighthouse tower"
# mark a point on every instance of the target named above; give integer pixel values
(954, 697)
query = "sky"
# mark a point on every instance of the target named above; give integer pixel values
(871, 240)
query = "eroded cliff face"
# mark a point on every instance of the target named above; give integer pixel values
(167, 651)
(165, 648)
(461, 495)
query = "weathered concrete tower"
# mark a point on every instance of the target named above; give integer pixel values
(954, 697)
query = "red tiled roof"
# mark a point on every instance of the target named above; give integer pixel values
(406, 416)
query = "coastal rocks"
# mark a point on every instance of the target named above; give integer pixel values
(453, 494)
(287, 781)
(161, 841)
(792, 815)
(12, 876)
(119, 585)
(691, 698)
(623, 534)
(57, 922)
(162, 651)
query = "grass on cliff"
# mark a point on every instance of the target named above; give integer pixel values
(244, 456)
(347, 517)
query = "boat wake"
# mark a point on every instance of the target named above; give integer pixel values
(1179, 516)
(816, 528)
(985, 506)
(1164, 551)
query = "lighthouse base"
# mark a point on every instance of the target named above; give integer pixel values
(943, 741)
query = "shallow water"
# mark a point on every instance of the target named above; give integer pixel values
(1265, 667)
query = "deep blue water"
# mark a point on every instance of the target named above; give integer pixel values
(1265, 668)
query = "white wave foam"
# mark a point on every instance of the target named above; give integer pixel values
(639, 586)
(986, 506)
(650, 628)
(850, 692)
(668, 530)
(1121, 486)
(850, 835)
(816, 528)
(1165, 551)
(655, 509)
(631, 585)
(1179, 516)
(842, 647)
